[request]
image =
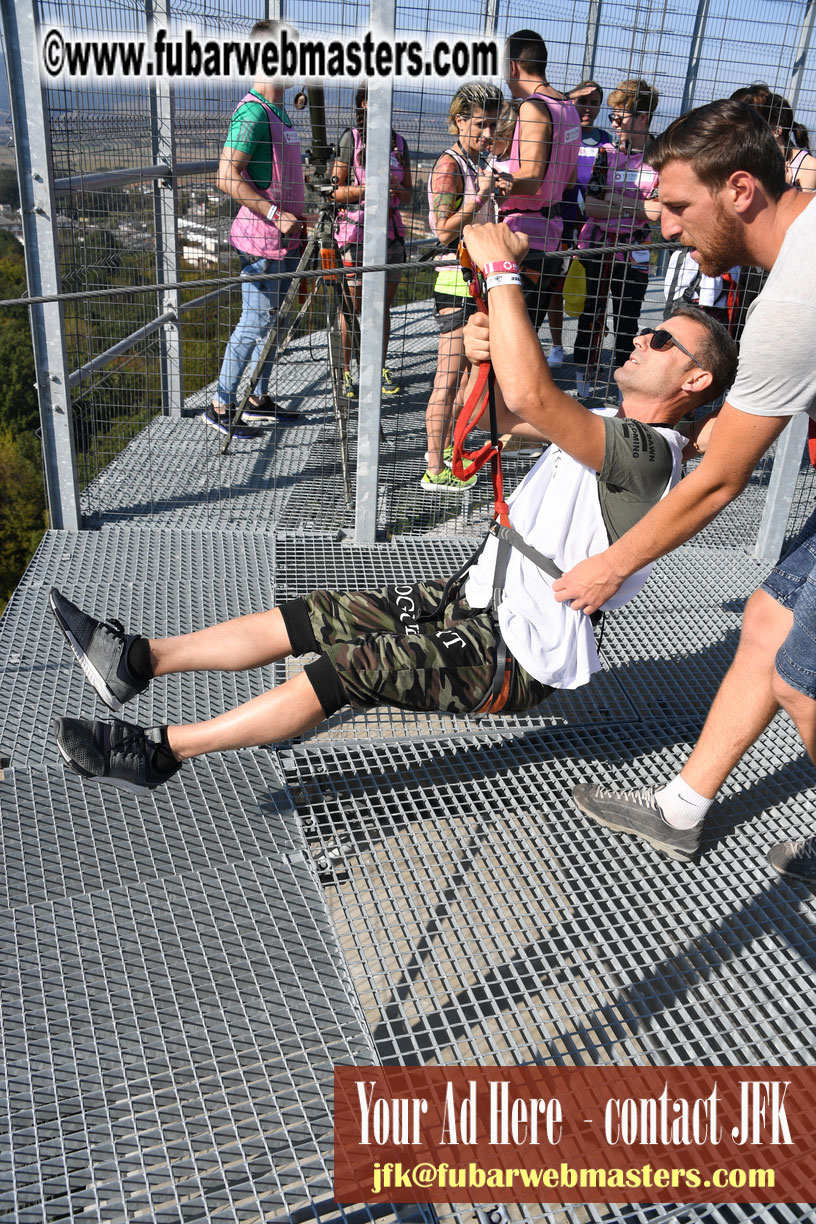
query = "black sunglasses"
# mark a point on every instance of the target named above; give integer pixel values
(660, 339)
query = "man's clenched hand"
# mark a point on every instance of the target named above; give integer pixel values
(489, 242)
(477, 338)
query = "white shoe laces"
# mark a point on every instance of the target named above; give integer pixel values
(644, 796)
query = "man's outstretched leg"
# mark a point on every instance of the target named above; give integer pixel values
(671, 818)
(120, 665)
(140, 759)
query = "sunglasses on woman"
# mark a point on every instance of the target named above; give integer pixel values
(660, 339)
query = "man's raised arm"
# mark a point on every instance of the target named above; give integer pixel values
(737, 441)
(518, 361)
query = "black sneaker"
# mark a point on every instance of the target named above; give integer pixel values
(102, 650)
(221, 422)
(795, 859)
(266, 411)
(117, 752)
(637, 812)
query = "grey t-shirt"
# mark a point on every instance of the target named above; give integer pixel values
(775, 375)
(636, 469)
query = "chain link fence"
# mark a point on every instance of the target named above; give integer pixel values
(127, 230)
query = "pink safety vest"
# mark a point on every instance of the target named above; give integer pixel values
(255, 235)
(349, 226)
(629, 175)
(528, 214)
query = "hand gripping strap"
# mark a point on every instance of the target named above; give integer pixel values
(467, 463)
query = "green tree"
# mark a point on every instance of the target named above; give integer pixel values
(22, 506)
(18, 397)
(9, 188)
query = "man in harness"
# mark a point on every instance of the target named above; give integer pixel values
(485, 642)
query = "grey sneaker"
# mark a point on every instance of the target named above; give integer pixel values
(796, 859)
(637, 812)
(101, 648)
(117, 752)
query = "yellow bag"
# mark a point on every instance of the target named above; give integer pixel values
(575, 288)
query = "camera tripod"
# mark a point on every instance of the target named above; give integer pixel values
(327, 303)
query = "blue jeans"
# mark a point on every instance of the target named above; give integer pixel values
(260, 301)
(793, 585)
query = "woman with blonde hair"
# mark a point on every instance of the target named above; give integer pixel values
(461, 190)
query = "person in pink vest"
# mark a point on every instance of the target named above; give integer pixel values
(261, 170)
(543, 164)
(619, 205)
(349, 194)
(462, 189)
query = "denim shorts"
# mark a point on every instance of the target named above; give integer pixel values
(793, 584)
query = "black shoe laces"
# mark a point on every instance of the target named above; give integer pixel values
(130, 742)
(115, 629)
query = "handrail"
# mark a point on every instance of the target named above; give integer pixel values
(131, 174)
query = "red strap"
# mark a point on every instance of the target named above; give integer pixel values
(812, 441)
(467, 463)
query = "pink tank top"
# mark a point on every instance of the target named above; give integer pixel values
(527, 214)
(349, 228)
(253, 234)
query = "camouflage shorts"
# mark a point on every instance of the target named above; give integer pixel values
(382, 655)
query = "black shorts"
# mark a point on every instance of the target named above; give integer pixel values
(540, 270)
(464, 307)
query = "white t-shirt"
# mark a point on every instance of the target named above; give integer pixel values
(710, 289)
(557, 510)
(776, 372)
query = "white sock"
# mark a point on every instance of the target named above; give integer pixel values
(682, 806)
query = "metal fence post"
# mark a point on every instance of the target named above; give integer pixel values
(787, 462)
(800, 59)
(695, 54)
(165, 215)
(591, 46)
(38, 207)
(491, 17)
(372, 319)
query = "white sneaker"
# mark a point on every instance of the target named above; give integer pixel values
(556, 357)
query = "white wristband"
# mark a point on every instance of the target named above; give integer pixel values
(502, 278)
(272, 212)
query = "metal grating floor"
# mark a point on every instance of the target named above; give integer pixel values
(502, 926)
(185, 970)
(169, 1048)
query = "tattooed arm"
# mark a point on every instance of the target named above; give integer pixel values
(451, 214)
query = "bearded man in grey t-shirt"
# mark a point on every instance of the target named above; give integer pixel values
(723, 194)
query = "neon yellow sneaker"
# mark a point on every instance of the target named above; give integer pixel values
(389, 386)
(349, 390)
(445, 482)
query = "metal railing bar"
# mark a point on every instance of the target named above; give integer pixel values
(131, 174)
(116, 350)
